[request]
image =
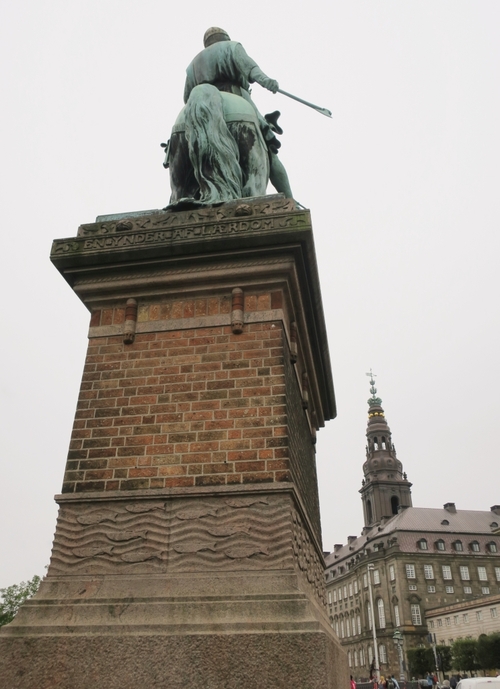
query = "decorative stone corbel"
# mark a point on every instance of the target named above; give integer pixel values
(237, 311)
(293, 342)
(130, 321)
(305, 390)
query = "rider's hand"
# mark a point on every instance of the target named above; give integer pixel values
(270, 84)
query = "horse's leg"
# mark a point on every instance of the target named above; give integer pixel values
(183, 183)
(279, 177)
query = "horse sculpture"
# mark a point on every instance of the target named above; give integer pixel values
(216, 151)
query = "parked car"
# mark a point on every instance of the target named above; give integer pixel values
(479, 683)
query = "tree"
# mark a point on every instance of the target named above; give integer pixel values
(488, 651)
(421, 661)
(464, 652)
(14, 596)
(444, 658)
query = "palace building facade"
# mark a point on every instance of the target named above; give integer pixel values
(413, 560)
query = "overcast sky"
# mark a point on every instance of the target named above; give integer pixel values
(403, 187)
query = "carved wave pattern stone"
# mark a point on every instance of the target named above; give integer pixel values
(231, 534)
(128, 538)
(307, 558)
(212, 534)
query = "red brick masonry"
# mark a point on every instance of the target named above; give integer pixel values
(185, 407)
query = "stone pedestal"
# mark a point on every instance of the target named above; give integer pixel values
(188, 551)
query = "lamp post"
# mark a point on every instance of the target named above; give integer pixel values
(398, 640)
(375, 649)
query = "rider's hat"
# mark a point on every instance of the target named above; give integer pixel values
(213, 35)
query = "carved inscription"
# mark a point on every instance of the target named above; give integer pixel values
(124, 240)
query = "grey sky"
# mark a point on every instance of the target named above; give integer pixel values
(402, 184)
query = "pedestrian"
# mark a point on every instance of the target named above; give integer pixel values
(353, 683)
(392, 682)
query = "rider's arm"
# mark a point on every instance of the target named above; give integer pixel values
(252, 71)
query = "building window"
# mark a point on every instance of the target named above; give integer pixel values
(481, 573)
(493, 612)
(394, 503)
(485, 590)
(396, 616)
(337, 627)
(345, 592)
(467, 589)
(340, 593)
(431, 624)
(361, 657)
(365, 581)
(330, 597)
(431, 589)
(497, 573)
(392, 573)
(428, 572)
(381, 613)
(422, 544)
(455, 619)
(349, 658)
(447, 621)
(410, 571)
(440, 544)
(458, 546)
(479, 615)
(412, 587)
(449, 589)
(465, 617)
(356, 664)
(474, 546)
(370, 655)
(416, 617)
(355, 587)
(359, 623)
(342, 629)
(464, 573)
(492, 547)
(350, 590)
(382, 653)
(440, 622)
(376, 576)
(334, 595)
(446, 572)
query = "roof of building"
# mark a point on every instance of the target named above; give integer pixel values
(471, 604)
(414, 522)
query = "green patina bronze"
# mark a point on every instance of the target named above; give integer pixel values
(221, 147)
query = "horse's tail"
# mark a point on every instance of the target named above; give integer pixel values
(212, 150)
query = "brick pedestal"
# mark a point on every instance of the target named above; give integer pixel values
(187, 551)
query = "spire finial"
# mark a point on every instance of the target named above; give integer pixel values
(374, 400)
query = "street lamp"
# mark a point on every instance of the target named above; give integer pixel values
(375, 649)
(398, 640)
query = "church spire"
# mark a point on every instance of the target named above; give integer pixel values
(385, 487)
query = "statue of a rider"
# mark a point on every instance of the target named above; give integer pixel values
(225, 64)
